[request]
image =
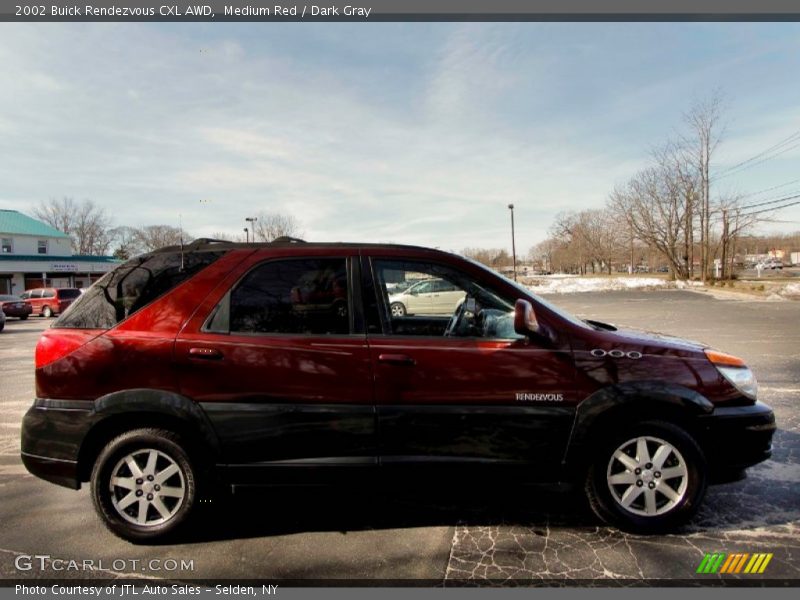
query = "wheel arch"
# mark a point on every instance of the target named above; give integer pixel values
(123, 411)
(615, 407)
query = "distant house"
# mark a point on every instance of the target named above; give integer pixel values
(33, 254)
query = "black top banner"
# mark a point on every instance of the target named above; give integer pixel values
(401, 10)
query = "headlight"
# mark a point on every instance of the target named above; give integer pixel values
(735, 371)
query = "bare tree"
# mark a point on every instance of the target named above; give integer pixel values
(270, 226)
(84, 222)
(491, 257)
(126, 241)
(153, 237)
(704, 122)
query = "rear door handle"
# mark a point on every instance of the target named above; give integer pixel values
(205, 353)
(397, 359)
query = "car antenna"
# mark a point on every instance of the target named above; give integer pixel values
(180, 232)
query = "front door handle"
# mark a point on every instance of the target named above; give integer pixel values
(205, 353)
(397, 359)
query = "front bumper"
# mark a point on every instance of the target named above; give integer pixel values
(736, 437)
(51, 438)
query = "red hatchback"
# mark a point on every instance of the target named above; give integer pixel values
(47, 302)
(252, 364)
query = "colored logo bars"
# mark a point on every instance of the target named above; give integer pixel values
(719, 562)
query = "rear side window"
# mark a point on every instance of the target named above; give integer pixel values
(69, 293)
(132, 286)
(300, 296)
(48, 293)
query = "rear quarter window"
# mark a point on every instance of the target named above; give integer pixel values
(132, 286)
(69, 294)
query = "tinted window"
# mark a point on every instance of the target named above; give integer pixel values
(68, 294)
(132, 286)
(306, 296)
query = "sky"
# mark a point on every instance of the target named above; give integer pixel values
(416, 133)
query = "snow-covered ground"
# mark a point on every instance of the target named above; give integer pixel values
(570, 284)
(564, 284)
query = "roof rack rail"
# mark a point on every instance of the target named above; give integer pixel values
(284, 239)
(200, 241)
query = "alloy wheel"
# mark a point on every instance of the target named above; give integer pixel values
(647, 476)
(147, 487)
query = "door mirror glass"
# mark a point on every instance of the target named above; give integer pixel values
(525, 321)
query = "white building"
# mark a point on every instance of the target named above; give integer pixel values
(33, 254)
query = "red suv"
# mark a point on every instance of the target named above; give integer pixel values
(47, 302)
(251, 364)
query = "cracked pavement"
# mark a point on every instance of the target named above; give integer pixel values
(455, 534)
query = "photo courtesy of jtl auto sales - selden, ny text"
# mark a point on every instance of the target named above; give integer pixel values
(399, 299)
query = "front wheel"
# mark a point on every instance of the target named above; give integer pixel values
(649, 479)
(398, 309)
(144, 485)
(24, 317)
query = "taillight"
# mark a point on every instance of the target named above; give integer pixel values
(55, 344)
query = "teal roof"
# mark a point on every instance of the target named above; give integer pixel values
(14, 222)
(51, 258)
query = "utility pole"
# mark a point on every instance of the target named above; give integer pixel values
(513, 242)
(246, 235)
(724, 241)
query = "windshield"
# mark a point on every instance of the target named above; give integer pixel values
(527, 292)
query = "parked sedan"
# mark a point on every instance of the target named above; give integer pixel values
(14, 306)
(428, 297)
(2, 319)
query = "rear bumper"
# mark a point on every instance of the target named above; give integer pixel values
(737, 437)
(51, 437)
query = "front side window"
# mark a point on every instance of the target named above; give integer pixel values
(295, 296)
(442, 302)
(42, 246)
(7, 246)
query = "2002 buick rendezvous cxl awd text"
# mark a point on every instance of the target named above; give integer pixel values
(222, 364)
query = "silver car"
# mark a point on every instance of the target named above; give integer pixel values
(428, 297)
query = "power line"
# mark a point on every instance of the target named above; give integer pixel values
(791, 139)
(772, 201)
(763, 210)
(731, 171)
(769, 189)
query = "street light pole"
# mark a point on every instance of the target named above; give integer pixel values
(252, 222)
(513, 242)
(246, 235)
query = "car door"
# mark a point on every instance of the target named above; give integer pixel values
(279, 362)
(480, 398)
(420, 298)
(447, 297)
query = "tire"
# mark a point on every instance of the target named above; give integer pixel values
(655, 503)
(24, 318)
(47, 312)
(397, 309)
(139, 510)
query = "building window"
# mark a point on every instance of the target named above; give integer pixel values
(8, 247)
(42, 246)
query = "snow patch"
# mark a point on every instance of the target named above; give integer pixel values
(557, 284)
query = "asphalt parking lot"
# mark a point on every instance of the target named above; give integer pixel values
(473, 532)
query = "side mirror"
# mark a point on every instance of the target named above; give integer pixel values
(525, 321)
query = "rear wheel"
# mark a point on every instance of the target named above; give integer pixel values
(47, 312)
(649, 479)
(24, 317)
(144, 485)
